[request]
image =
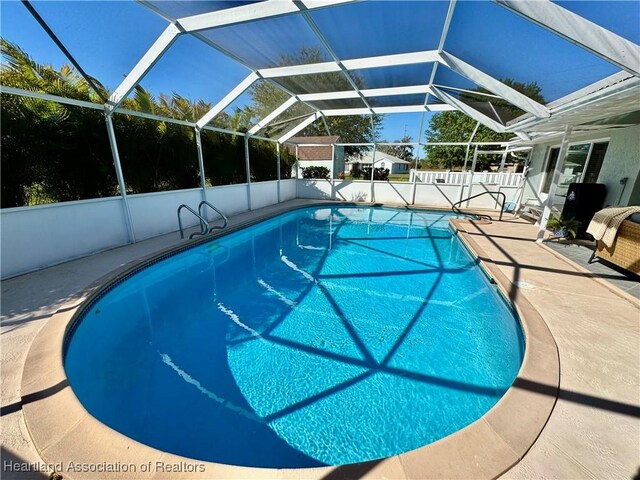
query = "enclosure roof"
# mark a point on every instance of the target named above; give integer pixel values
(504, 63)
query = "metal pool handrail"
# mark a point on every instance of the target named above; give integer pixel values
(479, 216)
(224, 217)
(203, 222)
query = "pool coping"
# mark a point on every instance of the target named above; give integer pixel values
(74, 443)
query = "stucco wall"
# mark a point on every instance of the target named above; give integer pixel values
(621, 160)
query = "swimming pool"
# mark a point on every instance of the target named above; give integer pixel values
(323, 336)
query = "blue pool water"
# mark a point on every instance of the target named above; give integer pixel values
(323, 336)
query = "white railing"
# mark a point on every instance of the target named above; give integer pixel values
(502, 179)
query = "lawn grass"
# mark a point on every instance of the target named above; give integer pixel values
(399, 177)
(396, 177)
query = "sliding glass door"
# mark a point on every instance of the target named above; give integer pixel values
(582, 165)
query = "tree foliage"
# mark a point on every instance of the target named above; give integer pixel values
(404, 152)
(454, 126)
(266, 97)
(315, 171)
(53, 152)
(378, 173)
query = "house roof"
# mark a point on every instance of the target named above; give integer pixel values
(324, 140)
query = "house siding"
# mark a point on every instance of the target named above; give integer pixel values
(621, 160)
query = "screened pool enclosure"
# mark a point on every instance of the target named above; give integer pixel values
(526, 70)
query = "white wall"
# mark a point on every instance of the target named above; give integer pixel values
(154, 214)
(39, 236)
(230, 199)
(393, 192)
(621, 160)
(287, 189)
(314, 189)
(43, 235)
(264, 194)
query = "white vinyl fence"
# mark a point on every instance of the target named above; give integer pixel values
(435, 189)
(506, 179)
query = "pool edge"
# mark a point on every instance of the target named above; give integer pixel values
(61, 428)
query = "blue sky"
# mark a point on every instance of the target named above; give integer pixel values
(107, 39)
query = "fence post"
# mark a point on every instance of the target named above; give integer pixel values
(123, 189)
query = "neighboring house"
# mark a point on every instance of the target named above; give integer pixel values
(607, 154)
(319, 152)
(383, 160)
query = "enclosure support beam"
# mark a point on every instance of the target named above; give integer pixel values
(548, 203)
(148, 60)
(345, 71)
(272, 116)
(471, 112)
(203, 182)
(87, 78)
(504, 91)
(297, 172)
(227, 100)
(466, 157)
(411, 58)
(443, 39)
(576, 29)
(247, 165)
(307, 121)
(248, 13)
(373, 168)
(503, 160)
(337, 112)
(123, 189)
(278, 168)
(326, 125)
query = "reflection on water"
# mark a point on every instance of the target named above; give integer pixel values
(322, 336)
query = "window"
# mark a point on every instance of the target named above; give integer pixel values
(595, 162)
(582, 164)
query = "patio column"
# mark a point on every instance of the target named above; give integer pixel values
(123, 190)
(548, 203)
(247, 165)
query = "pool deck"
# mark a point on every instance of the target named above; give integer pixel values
(593, 430)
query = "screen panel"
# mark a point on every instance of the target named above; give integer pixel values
(368, 29)
(507, 46)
